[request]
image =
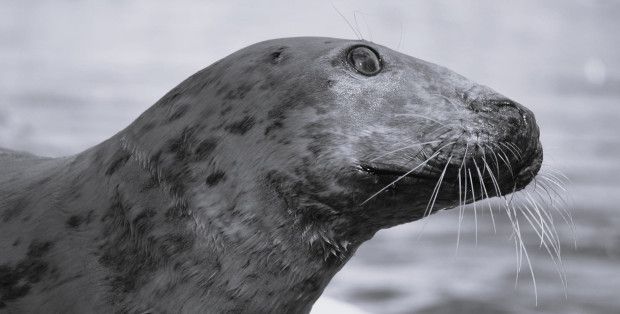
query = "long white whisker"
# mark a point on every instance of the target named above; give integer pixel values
(473, 193)
(436, 190)
(359, 36)
(406, 147)
(419, 116)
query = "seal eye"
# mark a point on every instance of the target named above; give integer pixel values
(365, 60)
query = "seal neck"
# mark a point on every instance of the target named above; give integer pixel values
(223, 252)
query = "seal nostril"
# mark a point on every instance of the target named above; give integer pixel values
(505, 103)
(508, 104)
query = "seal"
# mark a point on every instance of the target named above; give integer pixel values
(250, 184)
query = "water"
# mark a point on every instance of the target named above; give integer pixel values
(74, 73)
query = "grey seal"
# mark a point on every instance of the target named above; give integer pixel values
(250, 184)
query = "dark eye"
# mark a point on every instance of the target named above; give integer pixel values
(365, 60)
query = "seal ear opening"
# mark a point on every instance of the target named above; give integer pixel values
(365, 60)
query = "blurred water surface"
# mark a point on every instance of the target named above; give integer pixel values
(76, 72)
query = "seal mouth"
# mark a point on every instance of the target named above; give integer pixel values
(387, 172)
(482, 175)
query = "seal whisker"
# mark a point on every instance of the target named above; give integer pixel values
(357, 34)
(554, 238)
(400, 39)
(545, 228)
(446, 99)
(496, 186)
(534, 222)
(434, 194)
(555, 256)
(563, 210)
(505, 159)
(494, 156)
(521, 244)
(464, 199)
(419, 116)
(404, 148)
(515, 154)
(554, 182)
(428, 209)
(559, 181)
(355, 13)
(516, 235)
(557, 172)
(485, 192)
(548, 216)
(529, 264)
(473, 194)
(460, 218)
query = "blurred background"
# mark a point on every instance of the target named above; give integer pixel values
(73, 73)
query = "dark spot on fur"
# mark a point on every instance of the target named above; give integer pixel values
(14, 209)
(147, 127)
(74, 221)
(155, 159)
(10, 286)
(16, 242)
(16, 281)
(176, 243)
(89, 217)
(242, 126)
(216, 178)
(181, 111)
(172, 171)
(247, 263)
(129, 260)
(142, 222)
(175, 177)
(296, 97)
(204, 149)
(150, 183)
(176, 171)
(277, 124)
(270, 82)
(178, 211)
(222, 89)
(45, 180)
(120, 159)
(38, 249)
(278, 56)
(239, 92)
(181, 146)
(226, 110)
(331, 83)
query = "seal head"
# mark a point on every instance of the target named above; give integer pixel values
(340, 128)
